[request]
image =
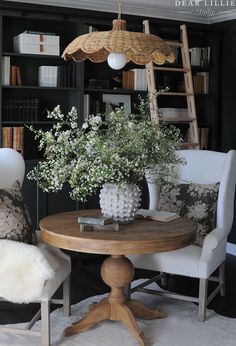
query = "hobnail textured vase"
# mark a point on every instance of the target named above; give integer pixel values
(120, 202)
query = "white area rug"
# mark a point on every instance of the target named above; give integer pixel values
(180, 328)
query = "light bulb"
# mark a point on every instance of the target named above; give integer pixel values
(116, 60)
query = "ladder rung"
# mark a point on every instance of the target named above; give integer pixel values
(177, 119)
(174, 44)
(173, 69)
(168, 93)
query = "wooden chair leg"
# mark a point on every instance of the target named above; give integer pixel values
(203, 288)
(66, 297)
(45, 321)
(222, 278)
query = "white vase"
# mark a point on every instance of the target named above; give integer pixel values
(120, 202)
(154, 186)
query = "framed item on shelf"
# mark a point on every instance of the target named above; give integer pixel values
(112, 101)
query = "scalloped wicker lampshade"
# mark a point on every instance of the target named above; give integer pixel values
(138, 47)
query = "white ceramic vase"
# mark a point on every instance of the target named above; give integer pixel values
(120, 202)
(154, 186)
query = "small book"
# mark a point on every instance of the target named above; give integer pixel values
(95, 220)
(157, 215)
(98, 228)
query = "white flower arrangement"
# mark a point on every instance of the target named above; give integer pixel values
(116, 151)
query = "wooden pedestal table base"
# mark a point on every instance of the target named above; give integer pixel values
(117, 272)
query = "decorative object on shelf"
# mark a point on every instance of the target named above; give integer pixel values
(120, 202)
(114, 151)
(119, 46)
(116, 101)
(34, 42)
(99, 84)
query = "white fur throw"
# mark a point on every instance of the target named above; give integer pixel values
(24, 270)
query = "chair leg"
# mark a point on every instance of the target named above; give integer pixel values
(222, 278)
(203, 288)
(45, 321)
(67, 296)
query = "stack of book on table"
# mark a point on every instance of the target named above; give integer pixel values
(97, 223)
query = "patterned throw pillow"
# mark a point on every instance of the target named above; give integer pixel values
(196, 201)
(15, 223)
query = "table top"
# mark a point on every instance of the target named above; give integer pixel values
(139, 237)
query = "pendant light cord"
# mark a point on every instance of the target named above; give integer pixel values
(119, 8)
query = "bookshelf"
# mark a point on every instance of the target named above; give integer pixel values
(25, 100)
(37, 82)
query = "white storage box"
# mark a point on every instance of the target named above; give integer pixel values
(33, 43)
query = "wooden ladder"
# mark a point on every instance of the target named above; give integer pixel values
(192, 141)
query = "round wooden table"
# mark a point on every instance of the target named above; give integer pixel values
(139, 237)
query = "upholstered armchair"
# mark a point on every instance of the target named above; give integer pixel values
(12, 169)
(202, 167)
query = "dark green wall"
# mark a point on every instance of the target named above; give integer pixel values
(227, 133)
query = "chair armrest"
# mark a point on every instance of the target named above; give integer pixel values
(212, 240)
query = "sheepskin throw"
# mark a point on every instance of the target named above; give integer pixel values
(24, 270)
(15, 223)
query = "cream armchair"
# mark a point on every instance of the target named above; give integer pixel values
(12, 168)
(203, 167)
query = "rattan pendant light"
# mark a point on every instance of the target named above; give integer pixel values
(119, 43)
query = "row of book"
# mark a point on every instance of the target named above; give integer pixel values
(20, 109)
(200, 56)
(57, 76)
(11, 74)
(13, 137)
(134, 79)
(48, 76)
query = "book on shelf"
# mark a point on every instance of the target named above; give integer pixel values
(6, 69)
(201, 83)
(7, 137)
(57, 76)
(18, 75)
(86, 106)
(15, 75)
(203, 133)
(18, 139)
(95, 220)
(39, 33)
(128, 80)
(20, 109)
(47, 76)
(13, 137)
(156, 215)
(200, 56)
(91, 29)
(140, 79)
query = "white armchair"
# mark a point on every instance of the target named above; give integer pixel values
(203, 167)
(12, 168)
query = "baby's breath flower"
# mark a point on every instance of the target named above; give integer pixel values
(117, 150)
